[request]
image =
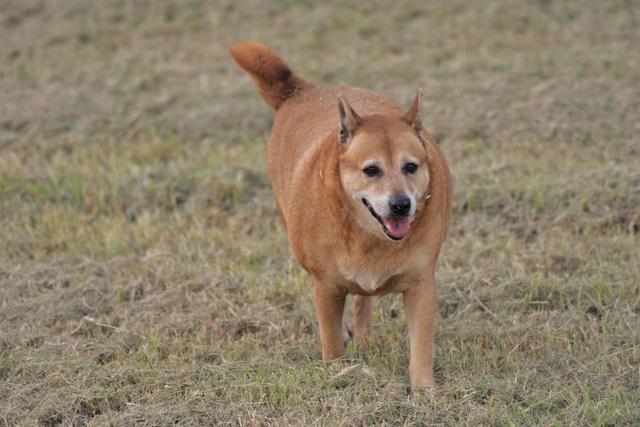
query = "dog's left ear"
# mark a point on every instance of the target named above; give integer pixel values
(413, 116)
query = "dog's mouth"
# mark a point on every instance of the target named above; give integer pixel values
(395, 228)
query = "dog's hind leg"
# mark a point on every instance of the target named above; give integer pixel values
(363, 315)
(347, 329)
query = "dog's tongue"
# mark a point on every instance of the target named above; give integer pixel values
(397, 227)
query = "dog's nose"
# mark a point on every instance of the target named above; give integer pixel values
(400, 205)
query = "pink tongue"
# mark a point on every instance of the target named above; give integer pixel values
(397, 227)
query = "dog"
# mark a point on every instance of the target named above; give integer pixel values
(364, 194)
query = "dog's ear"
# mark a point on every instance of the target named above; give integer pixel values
(413, 116)
(349, 120)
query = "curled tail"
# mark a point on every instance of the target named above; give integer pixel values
(273, 78)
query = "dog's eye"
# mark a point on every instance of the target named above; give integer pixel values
(410, 168)
(371, 171)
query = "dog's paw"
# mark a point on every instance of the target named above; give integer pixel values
(422, 384)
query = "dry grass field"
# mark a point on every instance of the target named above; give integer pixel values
(145, 278)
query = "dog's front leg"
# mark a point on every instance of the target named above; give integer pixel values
(420, 304)
(329, 310)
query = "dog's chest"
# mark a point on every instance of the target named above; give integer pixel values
(380, 274)
(370, 278)
(368, 281)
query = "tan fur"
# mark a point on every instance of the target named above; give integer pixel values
(317, 177)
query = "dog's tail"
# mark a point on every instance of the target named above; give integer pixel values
(273, 78)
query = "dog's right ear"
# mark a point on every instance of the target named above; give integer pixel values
(349, 120)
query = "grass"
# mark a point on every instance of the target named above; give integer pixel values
(145, 279)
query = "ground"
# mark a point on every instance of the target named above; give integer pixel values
(145, 279)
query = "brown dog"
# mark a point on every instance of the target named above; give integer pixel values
(364, 194)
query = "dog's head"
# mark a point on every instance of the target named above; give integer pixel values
(383, 168)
